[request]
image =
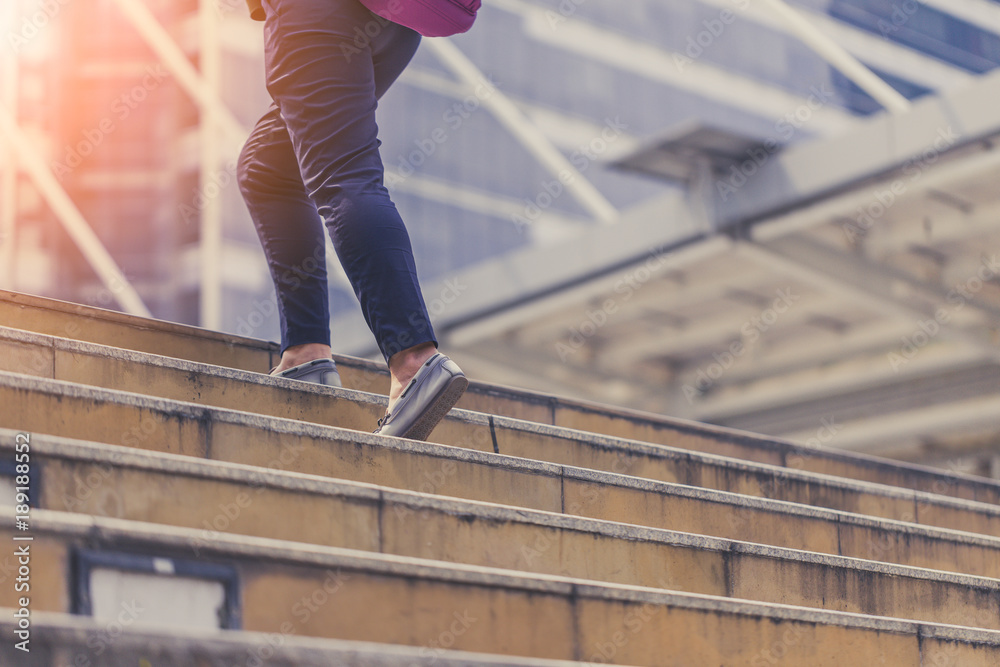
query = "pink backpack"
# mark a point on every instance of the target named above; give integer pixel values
(431, 18)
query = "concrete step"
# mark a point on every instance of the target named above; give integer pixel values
(117, 330)
(64, 640)
(413, 602)
(109, 327)
(100, 366)
(216, 498)
(356, 410)
(46, 406)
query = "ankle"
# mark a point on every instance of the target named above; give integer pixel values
(404, 365)
(409, 361)
(303, 354)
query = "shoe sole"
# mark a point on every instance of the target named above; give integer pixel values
(438, 409)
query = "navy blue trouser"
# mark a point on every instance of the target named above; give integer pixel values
(313, 159)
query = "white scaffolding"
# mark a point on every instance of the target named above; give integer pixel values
(9, 82)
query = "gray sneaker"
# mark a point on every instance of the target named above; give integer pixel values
(432, 392)
(320, 371)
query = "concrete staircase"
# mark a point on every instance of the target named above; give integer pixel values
(531, 530)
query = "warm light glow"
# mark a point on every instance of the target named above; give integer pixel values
(26, 27)
(7, 10)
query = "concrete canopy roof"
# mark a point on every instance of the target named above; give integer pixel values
(845, 291)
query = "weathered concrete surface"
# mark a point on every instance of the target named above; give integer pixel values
(209, 386)
(392, 599)
(46, 406)
(217, 498)
(59, 640)
(191, 343)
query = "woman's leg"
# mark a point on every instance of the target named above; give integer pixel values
(322, 75)
(327, 62)
(292, 236)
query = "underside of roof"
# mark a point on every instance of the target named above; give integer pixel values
(843, 292)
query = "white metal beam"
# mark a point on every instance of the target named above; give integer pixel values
(72, 220)
(820, 383)
(877, 52)
(936, 229)
(844, 206)
(210, 60)
(780, 189)
(565, 131)
(584, 290)
(207, 97)
(716, 332)
(538, 370)
(187, 76)
(8, 172)
(547, 228)
(696, 77)
(837, 56)
(871, 286)
(526, 132)
(819, 351)
(680, 288)
(923, 423)
(812, 183)
(885, 283)
(584, 266)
